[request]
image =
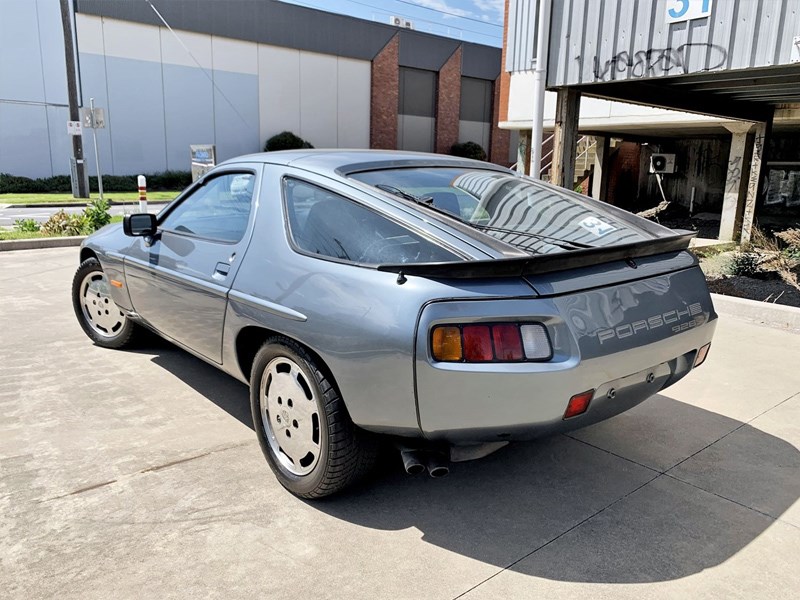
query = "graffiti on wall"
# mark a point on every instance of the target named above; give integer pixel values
(656, 62)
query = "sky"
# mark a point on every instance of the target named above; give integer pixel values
(479, 21)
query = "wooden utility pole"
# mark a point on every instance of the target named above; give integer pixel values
(72, 92)
(565, 141)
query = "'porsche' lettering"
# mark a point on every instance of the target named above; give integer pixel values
(694, 312)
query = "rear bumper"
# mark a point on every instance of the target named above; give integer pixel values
(464, 403)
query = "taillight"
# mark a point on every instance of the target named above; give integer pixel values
(496, 342)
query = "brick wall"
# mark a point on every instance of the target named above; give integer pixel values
(500, 138)
(448, 103)
(623, 176)
(385, 96)
(505, 78)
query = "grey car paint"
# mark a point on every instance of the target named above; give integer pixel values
(372, 333)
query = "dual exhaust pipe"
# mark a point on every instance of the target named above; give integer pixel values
(417, 461)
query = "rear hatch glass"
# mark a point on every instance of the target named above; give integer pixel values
(524, 213)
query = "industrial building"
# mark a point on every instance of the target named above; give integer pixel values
(169, 74)
(698, 100)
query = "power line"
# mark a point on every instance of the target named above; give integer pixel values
(399, 14)
(444, 12)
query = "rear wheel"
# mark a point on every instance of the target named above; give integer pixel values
(101, 319)
(302, 424)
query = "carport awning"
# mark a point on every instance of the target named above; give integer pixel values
(746, 94)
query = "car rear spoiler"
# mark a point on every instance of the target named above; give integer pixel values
(543, 263)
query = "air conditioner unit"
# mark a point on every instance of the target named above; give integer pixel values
(662, 163)
(401, 22)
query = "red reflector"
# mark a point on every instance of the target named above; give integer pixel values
(507, 342)
(701, 355)
(477, 343)
(578, 404)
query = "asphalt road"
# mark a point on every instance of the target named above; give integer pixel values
(10, 213)
(137, 475)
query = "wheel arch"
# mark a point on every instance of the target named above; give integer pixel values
(249, 340)
(87, 253)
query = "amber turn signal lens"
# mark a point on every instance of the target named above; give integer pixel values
(446, 344)
(701, 355)
(578, 404)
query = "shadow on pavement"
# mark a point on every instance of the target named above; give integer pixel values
(502, 508)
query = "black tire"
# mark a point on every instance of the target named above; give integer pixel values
(114, 337)
(346, 453)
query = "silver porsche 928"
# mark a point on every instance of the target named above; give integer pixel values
(449, 305)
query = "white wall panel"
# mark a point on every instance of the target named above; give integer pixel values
(234, 56)
(131, 41)
(20, 55)
(51, 43)
(173, 51)
(90, 33)
(318, 100)
(25, 147)
(278, 90)
(353, 103)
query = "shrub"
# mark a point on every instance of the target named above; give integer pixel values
(96, 214)
(745, 264)
(468, 150)
(285, 140)
(27, 225)
(166, 181)
(63, 223)
(790, 237)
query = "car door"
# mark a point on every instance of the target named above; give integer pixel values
(179, 279)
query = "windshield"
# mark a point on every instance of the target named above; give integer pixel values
(524, 213)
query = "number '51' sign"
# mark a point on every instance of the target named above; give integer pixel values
(686, 10)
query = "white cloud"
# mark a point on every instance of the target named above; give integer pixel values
(494, 7)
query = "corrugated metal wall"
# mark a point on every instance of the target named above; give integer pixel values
(606, 40)
(521, 44)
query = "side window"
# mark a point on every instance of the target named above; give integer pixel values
(219, 210)
(322, 222)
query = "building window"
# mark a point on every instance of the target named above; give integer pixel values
(476, 112)
(416, 119)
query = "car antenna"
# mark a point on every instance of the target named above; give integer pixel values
(401, 278)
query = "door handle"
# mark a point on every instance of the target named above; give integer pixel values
(222, 269)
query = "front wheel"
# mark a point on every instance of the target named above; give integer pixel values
(101, 319)
(302, 424)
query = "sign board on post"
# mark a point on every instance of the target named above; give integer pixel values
(93, 118)
(204, 157)
(74, 128)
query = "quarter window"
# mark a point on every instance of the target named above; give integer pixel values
(218, 210)
(324, 223)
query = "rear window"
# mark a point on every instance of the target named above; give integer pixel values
(330, 225)
(522, 212)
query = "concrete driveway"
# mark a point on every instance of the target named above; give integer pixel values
(137, 475)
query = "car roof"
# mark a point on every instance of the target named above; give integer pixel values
(344, 162)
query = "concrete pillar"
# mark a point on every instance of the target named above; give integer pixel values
(758, 170)
(736, 181)
(523, 151)
(565, 142)
(601, 166)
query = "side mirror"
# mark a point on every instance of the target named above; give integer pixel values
(139, 224)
